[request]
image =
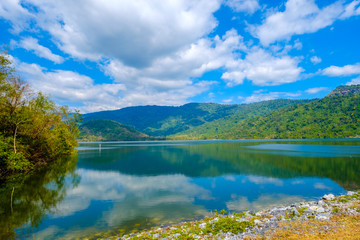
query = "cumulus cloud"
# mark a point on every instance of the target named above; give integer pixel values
(32, 44)
(113, 186)
(249, 6)
(242, 203)
(135, 32)
(261, 96)
(71, 86)
(351, 9)
(13, 11)
(316, 90)
(347, 70)
(283, 25)
(354, 81)
(315, 60)
(154, 51)
(263, 69)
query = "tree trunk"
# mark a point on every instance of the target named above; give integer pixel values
(15, 138)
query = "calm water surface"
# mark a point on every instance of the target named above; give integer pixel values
(122, 186)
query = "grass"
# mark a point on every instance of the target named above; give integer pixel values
(339, 227)
(228, 224)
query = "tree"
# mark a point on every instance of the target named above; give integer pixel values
(33, 130)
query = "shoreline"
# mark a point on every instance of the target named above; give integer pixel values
(324, 216)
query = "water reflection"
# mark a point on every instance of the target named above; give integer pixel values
(337, 162)
(139, 185)
(26, 201)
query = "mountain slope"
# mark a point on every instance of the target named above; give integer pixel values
(165, 120)
(217, 128)
(107, 130)
(335, 116)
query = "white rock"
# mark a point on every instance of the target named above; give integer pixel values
(256, 221)
(314, 208)
(328, 197)
(202, 225)
(350, 193)
(322, 217)
(320, 210)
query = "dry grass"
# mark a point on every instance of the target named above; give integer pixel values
(339, 227)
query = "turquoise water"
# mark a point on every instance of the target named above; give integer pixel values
(122, 186)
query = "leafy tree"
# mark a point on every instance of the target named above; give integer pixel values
(33, 130)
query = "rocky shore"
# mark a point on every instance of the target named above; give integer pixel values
(320, 217)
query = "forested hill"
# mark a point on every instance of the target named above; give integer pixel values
(108, 130)
(166, 120)
(335, 116)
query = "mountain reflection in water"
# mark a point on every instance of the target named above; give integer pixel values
(126, 185)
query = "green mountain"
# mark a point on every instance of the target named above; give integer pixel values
(165, 120)
(218, 128)
(107, 130)
(335, 116)
(345, 90)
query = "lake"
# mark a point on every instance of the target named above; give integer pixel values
(119, 187)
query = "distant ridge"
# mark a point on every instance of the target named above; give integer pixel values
(167, 120)
(345, 90)
(335, 116)
(107, 130)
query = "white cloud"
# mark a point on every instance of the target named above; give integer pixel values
(229, 100)
(113, 186)
(320, 185)
(242, 203)
(292, 21)
(316, 90)
(263, 69)
(249, 6)
(135, 32)
(351, 9)
(32, 44)
(12, 11)
(259, 96)
(355, 81)
(347, 70)
(168, 80)
(315, 60)
(71, 86)
(265, 180)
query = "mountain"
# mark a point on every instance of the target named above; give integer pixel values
(335, 116)
(345, 90)
(166, 120)
(107, 130)
(218, 128)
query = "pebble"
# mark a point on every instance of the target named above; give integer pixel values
(271, 218)
(328, 197)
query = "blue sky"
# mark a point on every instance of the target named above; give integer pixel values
(100, 55)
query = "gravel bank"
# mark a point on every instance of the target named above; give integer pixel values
(260, 224)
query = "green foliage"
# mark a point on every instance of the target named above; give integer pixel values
(218, 128)
(107, 130)
(33, 130)
(27, 198)
(330, 117)
(228, 224)
(345, 90)
(195, 120)
(17, 162)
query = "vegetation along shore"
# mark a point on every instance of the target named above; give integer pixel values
(34, 130)
(327, 218)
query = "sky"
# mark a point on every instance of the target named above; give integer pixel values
(96, 55)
